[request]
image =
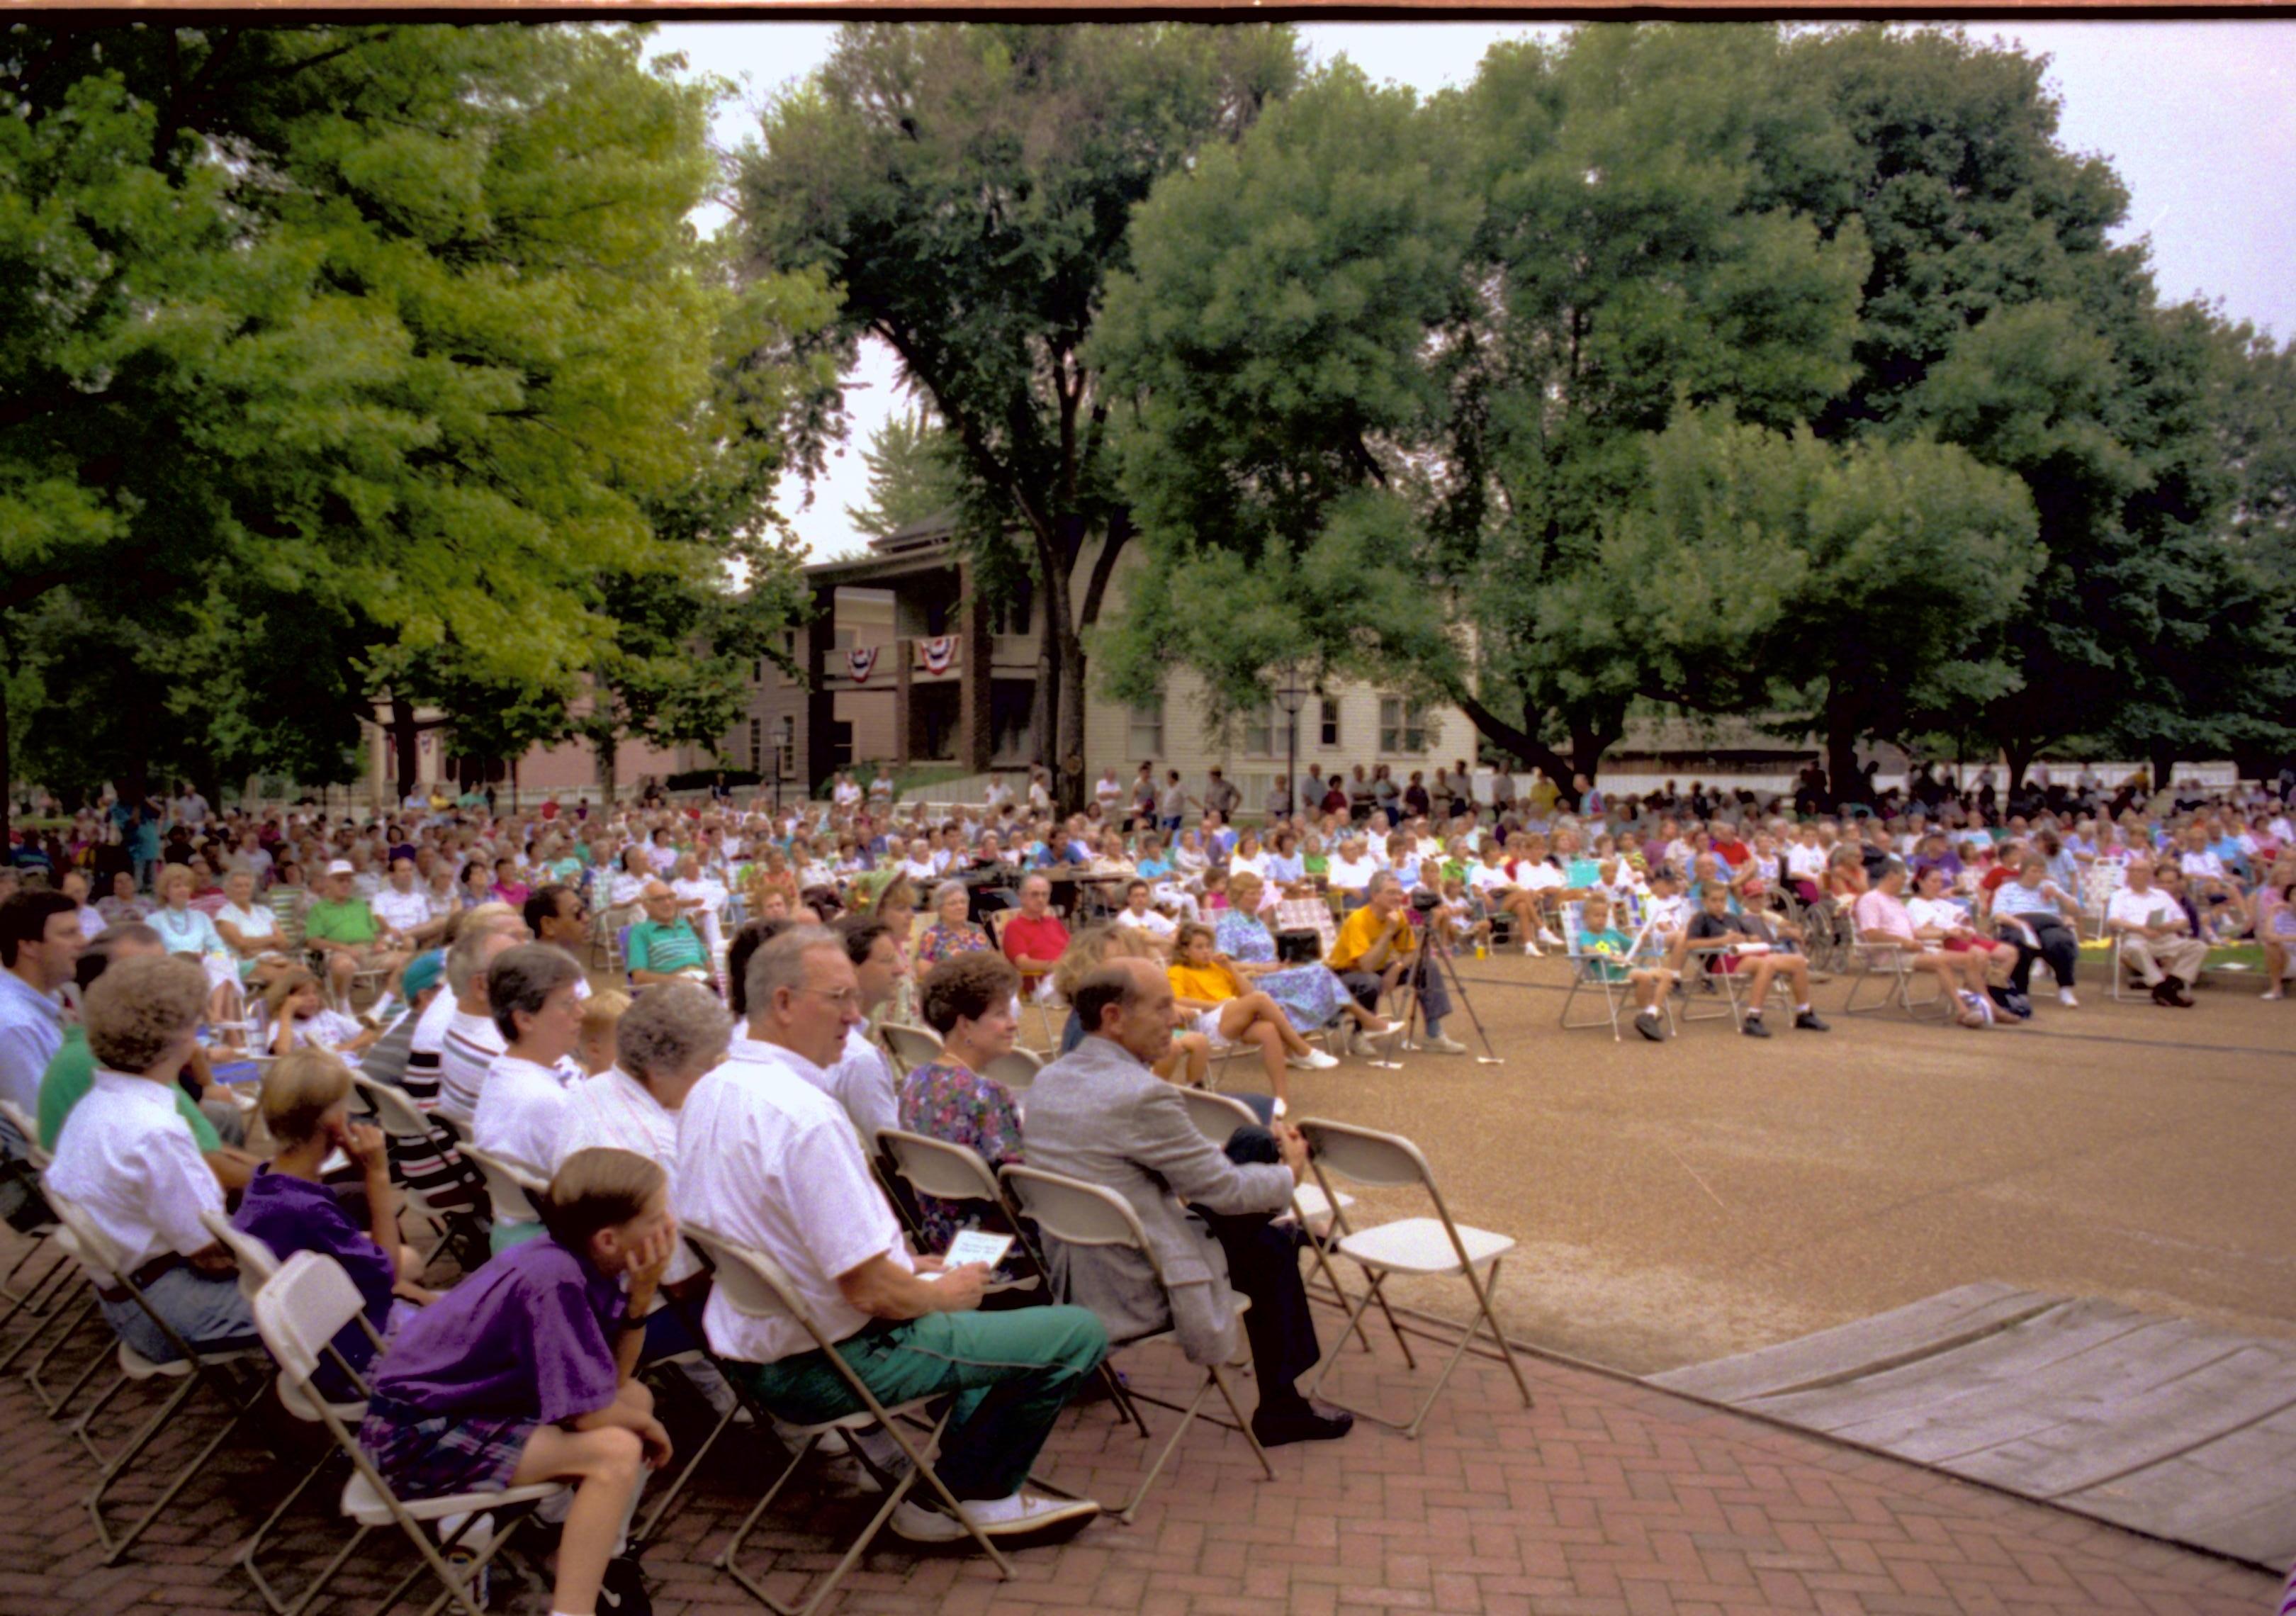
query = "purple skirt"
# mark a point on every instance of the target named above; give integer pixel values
(430, 1455)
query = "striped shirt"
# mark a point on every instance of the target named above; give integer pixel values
(470, 1046)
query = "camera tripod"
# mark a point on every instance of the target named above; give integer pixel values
(1434, 955)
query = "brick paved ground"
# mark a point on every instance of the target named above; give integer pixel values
(1605, 1498)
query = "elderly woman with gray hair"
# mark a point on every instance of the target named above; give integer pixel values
(951, 933)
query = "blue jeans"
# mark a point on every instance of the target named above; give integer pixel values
(208, 1312)
(1011, 1372)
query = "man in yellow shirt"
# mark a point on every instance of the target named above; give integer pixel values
(1376, 947)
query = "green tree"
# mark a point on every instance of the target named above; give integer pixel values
(970, 189)
(406, 324)
(914, 476)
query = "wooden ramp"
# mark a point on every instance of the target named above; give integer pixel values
(2157, 1423)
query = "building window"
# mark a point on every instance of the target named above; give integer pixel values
(1264, 735)
(757, 744)
(787, 746)
(757, 670)
(1329, 735)
(1145, 737)
(1011, 615)
(1402, 725)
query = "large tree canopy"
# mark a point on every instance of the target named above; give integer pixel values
(403, 329)
(1791, 376)
(969, 189)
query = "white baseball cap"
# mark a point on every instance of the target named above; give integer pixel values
(341, 866)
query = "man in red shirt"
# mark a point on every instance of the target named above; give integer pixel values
(1035, 938)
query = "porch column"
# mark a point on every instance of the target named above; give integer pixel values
(976, 710)
(815, 746)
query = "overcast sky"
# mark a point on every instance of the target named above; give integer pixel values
(2198, 119)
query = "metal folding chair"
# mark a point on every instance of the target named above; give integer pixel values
(1891, 965)
(298, 1312)
(1413, 1246)
(1082, 1214)
(753, 1283)
(38, 1299)
(1591, 972)
(1016, 1069)
(911, 1046)
(461, 1227)
(190, 1371)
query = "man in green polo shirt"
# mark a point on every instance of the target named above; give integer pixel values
(340, 925)
(71, 1072)
(663, 947)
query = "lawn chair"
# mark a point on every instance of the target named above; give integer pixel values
(753, 1283)
(1891, 965)
(298, 1312)
(2098, 883)
(1592, 971)
(215, 1368)
(1412, 1246)
(1089, 1215)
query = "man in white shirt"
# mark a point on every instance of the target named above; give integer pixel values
(75, 886)
(862, 1079)
(1140, 918)
(191, 808)
(767, 1159)
(471, 1041)
(2156, 937)
(134, 1169)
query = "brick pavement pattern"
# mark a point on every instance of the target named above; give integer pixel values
(1607, 1498)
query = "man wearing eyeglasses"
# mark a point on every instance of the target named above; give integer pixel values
(767, 1159)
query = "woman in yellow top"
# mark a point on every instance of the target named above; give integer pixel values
(1228, 1010)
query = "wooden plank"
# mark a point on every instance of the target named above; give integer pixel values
(2088, 1389)
(1898, 1401)
(2239, 1389)
(2236, 1494)
(1904, 1335)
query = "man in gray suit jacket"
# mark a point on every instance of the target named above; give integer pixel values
(1098, 1113)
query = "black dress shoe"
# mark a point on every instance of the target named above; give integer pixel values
(1305, 1423)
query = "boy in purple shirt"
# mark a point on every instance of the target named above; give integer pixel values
(522, 1374)
(306, 1108)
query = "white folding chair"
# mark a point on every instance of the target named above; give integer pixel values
(753, 1283)
(1016, 1069)
(1411, 1246)
(911, 1046)
(189, 1370)
(298, 1312)
(420, 1135)
(1090, 1215)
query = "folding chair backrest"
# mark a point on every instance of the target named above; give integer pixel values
(1074, 1212)
(940, 1166)
(1367, 1155)
(87, 1241)
(394, 1112)
(1016, 1069)
(1216, 1116)
(300, 1309)
(511, 1189)
(912, 1046)
(257, 1262)
(751, 1282)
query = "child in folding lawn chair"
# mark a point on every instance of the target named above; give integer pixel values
(1609, 952)
(307, 1110)
(1735, 946)
(129, 1160)
(524, 1372)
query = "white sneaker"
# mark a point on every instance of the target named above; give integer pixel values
(1381, 1041)
(1315, 1060)
(1549, 938)
(1531, 951)
(2065, 997)
(1011, 1517)
(1438, 1045)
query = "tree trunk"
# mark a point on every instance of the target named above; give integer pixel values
(1064, 717)
(404, 733)
(1047, 700)
(2017, 757)
(1842, 779)
(1589, 740)
(2160, 758)
(608, 749)
(1527, 747)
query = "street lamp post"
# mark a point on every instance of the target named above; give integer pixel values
(1291, 695)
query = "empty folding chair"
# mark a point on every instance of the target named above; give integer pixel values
(1080, 1214)
(298, 1312)
(1436, 1245)
(911, 1046)
(460, 1226)
(1016, 1069)
(753, 1283)
(191, 1369)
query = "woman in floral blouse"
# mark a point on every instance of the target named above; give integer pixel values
(950, 934)
(967, 1000)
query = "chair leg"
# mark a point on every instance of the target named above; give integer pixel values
(1187, 1418)
(42, 1304)
(48, 1401)
(240, 1410)
(644, 1533)
(253, 1548)
(1227, 1395)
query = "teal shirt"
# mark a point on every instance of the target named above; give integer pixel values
(666, 948)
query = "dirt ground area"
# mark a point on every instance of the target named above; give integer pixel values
(1682, 1201)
